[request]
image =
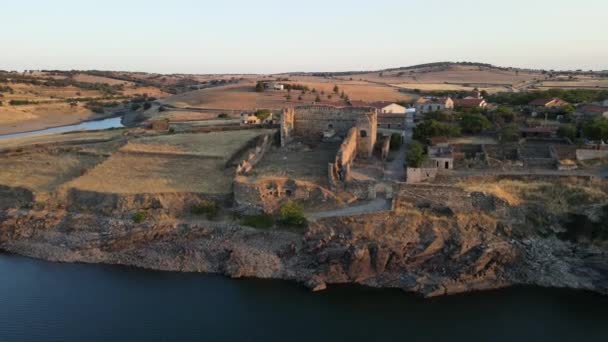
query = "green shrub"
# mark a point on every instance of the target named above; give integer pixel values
(222, 116)
(262, 221)
(395, 141)
(139, 216)
(208, 208)
(415, 155)
(292, 214)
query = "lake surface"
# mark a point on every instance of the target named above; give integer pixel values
(42, 301)
(83, 126)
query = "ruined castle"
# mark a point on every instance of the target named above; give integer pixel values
(313, 122)
(357, 126)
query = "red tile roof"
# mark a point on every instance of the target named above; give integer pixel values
(468, 102)
(544, 102)
(593, 109)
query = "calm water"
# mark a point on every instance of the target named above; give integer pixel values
(42, 301)
(84, 126)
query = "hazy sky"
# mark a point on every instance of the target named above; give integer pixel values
(259, 36)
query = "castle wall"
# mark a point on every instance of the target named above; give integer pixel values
(339, 170)
(312, 121)
(287, 126)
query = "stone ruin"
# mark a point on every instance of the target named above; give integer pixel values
(357, 126)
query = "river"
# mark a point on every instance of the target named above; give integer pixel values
(83, 126)
(43, 301)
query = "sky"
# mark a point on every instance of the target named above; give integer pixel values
(269, 36)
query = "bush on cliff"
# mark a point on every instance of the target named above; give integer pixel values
(395, 141)
(292, 214)
(139, 216)
(261, 221)
(208, 208)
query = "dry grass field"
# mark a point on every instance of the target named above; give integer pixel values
(243, 96)
(42, 171)
(305, 164)
(167, 164)
(557, 197)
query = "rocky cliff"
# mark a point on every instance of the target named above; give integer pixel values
(425, 248)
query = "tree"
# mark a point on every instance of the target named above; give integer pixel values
(509, 133)
(428, 129)
(474, 123)
(329, 96)
(317, 99)
(596, 129)
(299, 98)
(292, 214)
(135, 106)
(147, 105)
(262, 114)
(505, 114)
(415, 155)
(259, 87)
(567, 131)
(336, 89)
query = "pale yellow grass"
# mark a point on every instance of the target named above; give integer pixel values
(42, 172)
(61, 138)
(144, 173)
(220, 145)
(99, 79)
(558, 197)
(447, 87)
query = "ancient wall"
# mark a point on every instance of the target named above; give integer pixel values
(585, 154)
(310, 122)
(112, 203)
(418, 175)
(254, 155)
(385, 147)
(268, 194)
(339, 170)
(287, 126)
(367, 126)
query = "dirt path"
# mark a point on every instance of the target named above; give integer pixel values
(379, 204)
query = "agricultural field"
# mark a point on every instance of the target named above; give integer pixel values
(168, 164)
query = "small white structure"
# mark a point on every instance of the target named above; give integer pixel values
(433, 104)
(389, 108)
(274, 86)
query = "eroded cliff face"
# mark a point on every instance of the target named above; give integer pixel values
(431, 250)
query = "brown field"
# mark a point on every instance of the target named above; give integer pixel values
(165, 164)
(99, 79)
(448, 87)
(459, 74)
(43, 172)
(242, 96)
(176, 116)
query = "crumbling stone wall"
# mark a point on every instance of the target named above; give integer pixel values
(339, 170)
(588, 154)
(252, 196)
(255, 155)
(309, 123)
(287, 126)
(418, 174)
(385, 147)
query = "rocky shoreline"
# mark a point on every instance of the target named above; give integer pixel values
(418, 251)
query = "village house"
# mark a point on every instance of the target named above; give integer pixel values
(388, 108)
(470, 102)
(433, 104)
(249, 118)
(592, 111)
(441, 154)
